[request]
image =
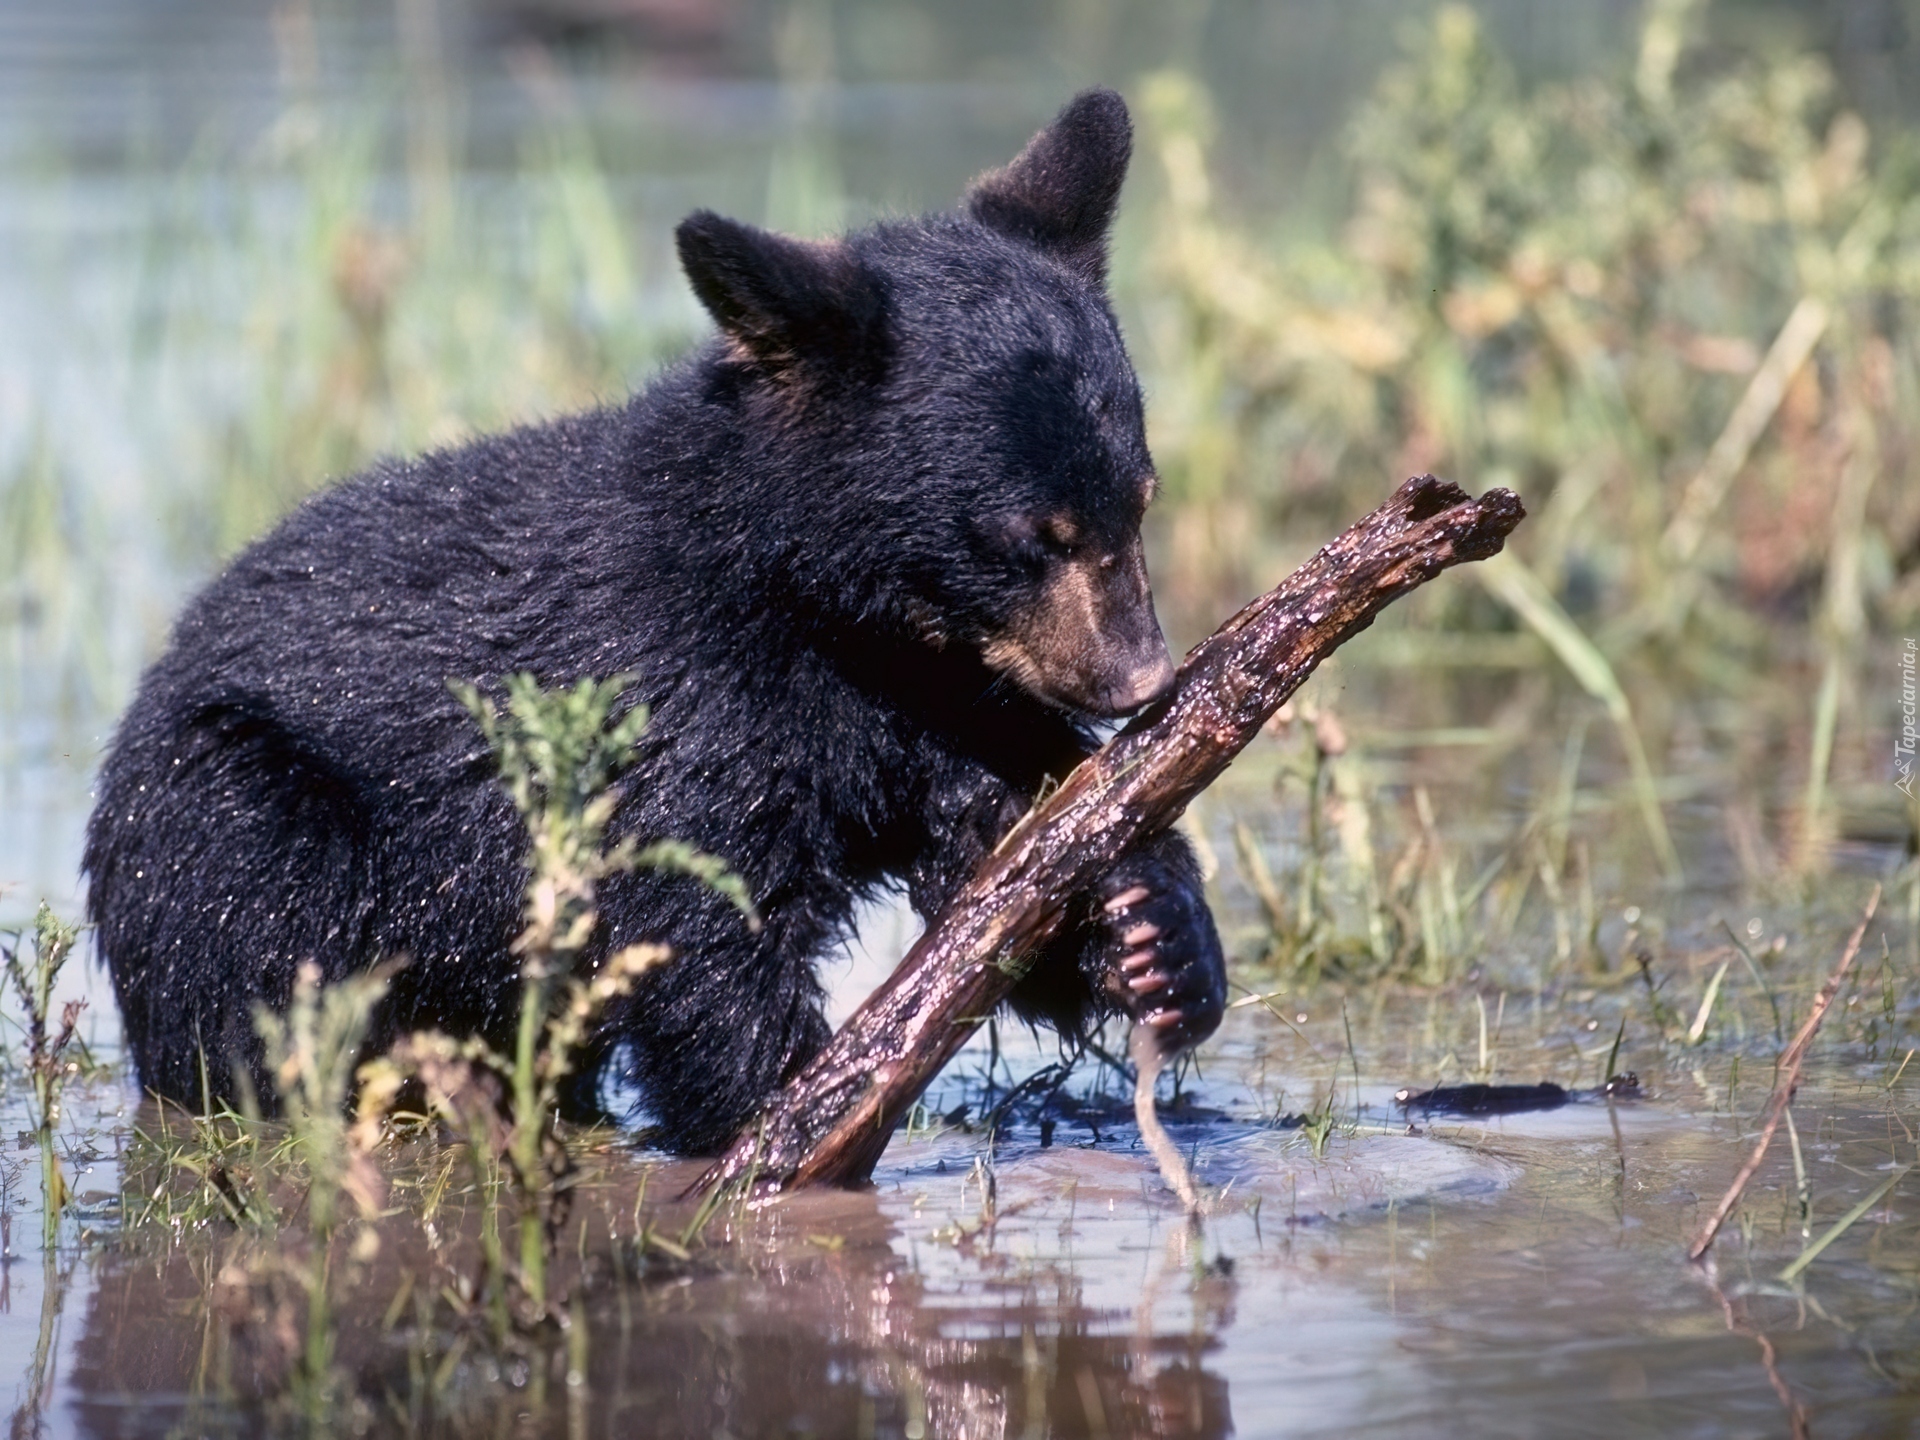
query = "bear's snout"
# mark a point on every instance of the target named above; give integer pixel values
(1090, 640)
(1148, 681)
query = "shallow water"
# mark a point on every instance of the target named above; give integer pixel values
(1519, 1276)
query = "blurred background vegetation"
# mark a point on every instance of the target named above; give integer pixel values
(1655, 266)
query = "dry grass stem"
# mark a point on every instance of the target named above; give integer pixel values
(1785, 1082)
(1149, 1060)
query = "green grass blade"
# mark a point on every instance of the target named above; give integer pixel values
(1840, 1226)
(1517, 587)
(1699, 1026)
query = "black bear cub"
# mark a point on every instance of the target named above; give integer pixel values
(873, 553)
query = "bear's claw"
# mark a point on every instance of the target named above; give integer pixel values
(1161, 953)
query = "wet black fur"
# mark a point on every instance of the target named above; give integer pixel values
(798, 538)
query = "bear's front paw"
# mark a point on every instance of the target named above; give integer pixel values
(1162, 954)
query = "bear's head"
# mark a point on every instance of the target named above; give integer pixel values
(945, 412)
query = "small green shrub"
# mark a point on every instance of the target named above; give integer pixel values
(48, 1064)
(561, 754)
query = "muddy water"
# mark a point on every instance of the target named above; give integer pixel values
(1519, 1276)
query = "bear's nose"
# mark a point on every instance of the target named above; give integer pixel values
(1146, 683)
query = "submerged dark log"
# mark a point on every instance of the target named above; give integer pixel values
(1474, 1101)
(833, 1120)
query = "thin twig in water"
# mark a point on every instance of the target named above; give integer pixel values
(1143, 1047)
(1786, 1080)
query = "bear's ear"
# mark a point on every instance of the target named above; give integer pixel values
(1060, 192)
(790, 304)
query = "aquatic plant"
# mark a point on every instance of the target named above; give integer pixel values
(561, 753)
(47, 1063)
(385, 332)
(311, 1053)
(1672, 308)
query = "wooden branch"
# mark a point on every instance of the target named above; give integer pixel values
(833, 1120)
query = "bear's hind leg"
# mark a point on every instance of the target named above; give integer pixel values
(222, 854)
(729, 1018)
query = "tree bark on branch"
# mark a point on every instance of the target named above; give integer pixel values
(833, 1120)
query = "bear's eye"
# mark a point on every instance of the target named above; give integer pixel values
(1060, 535)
